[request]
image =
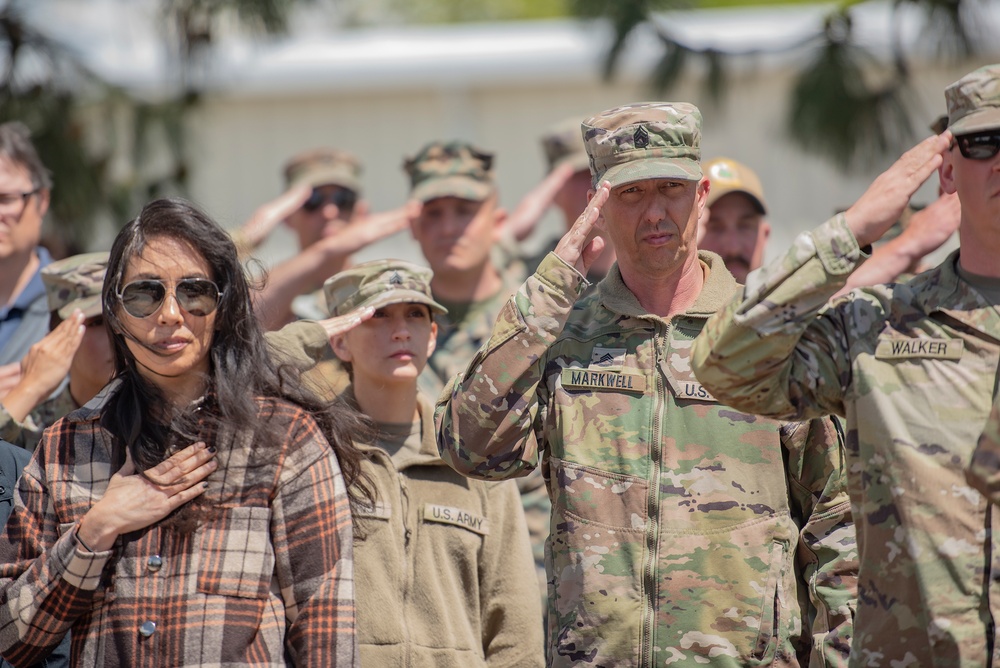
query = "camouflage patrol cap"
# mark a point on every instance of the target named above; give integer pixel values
(379, 283)
(974, 101)
(450, 169)
(563, 145)
(940, 124)
(321, 167)
(75, 283)
(644, 140)
(728, 176)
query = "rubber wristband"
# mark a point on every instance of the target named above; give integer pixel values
(83, 544)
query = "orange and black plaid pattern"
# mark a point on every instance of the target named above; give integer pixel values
(265, 580)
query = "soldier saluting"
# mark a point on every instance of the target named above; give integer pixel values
(913, 368)
(671, 540)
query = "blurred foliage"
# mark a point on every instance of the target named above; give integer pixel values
(845, 105)
(460, 11)
(98, 140)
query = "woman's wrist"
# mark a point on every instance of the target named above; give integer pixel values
(93, 534)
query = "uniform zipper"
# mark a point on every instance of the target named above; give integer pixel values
(404, 503)
(649, 575)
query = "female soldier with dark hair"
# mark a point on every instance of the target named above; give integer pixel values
(194, 513)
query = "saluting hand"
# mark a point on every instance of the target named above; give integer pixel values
(45, 366)
(133, 501)
(342, 324)
(882, 204)
(574, 248)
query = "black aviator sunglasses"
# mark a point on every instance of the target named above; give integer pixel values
(143, 298)
(341, 197)
(979, 145)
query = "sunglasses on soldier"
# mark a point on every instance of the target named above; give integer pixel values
(143, 298)
(342, 198)
(979, 145)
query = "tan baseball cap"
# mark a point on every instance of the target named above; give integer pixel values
(728, 176)
(321, 167)
(644, 140)
(379, 283)
(974, 101)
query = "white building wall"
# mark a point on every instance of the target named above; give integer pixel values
(241, 141)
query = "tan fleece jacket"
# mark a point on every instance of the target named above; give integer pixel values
(444, 570)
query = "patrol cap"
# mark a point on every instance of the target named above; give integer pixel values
(377, 284)
(728, 176)
(75, 283)
(644, 140)
(974, 101)
(563, 145)
(940, 124)
(450, 169)
(324, 166)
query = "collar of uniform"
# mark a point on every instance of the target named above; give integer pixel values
(428, 455)
(718, 289)
(941, 290)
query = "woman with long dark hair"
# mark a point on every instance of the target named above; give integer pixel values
(194, 512)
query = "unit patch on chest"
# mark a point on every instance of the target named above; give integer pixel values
(456, 516)
(944, 349)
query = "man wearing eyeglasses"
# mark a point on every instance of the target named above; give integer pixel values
(24, 199)
(913, 368)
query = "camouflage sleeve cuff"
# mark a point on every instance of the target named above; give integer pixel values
(10, 429)
(837, 247)
(559, 275)
(786, 294)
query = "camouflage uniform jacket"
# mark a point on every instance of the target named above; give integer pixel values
(670, 540)
(457, 342)
(28, 433)
(913, 368)
(443, 569)
(984, 472)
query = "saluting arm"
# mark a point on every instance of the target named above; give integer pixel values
(767, 352)
(775, 350)
(485, 418)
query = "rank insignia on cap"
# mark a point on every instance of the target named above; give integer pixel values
(395, 279)
(641, 138)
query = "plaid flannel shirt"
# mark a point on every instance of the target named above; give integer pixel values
(265, 580)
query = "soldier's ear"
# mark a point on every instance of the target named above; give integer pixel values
(340, 349)
(43, 201)
(701, 195)
(946, 172)
(499, 219)
(432, 340)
